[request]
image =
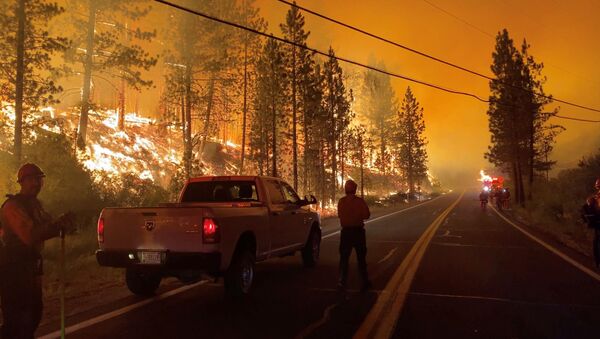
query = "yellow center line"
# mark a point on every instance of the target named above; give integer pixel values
(382, 319)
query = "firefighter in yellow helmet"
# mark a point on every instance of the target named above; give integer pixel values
(25, 227)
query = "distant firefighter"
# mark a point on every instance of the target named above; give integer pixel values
(484, 197)
(591, 215)
(25, 227)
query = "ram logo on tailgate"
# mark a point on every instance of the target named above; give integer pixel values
(149, 224)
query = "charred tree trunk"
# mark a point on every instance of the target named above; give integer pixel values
(87, 77)
(245, 112)
(188, 120)
(531, 157)
(294, 121)
(19, 81)
(362, 166)
(274, 135)
(521, 197)
(322, 172)
(121, 114)
(186, 167)
(209, 107)
(342, 155)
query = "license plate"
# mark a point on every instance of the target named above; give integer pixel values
(150, 258)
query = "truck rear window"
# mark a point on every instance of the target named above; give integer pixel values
(220, 191)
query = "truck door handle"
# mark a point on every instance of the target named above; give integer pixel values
(276, 213)
(294, 212)
(149, 214)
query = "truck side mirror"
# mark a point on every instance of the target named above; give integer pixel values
(312, 200)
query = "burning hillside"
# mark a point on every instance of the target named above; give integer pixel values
(145, 148)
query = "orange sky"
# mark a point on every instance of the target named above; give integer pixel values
(564, 35)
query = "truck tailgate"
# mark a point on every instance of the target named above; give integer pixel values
(157, 228)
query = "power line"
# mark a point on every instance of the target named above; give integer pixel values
(352, 62)
(349, 61)
(412, 50)
(459, 19)
(447, 63)
(484, 32)
(576, 119)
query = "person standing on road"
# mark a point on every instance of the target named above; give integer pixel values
(25, 227)
(353, 211)
(591, 211)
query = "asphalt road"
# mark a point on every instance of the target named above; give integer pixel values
(477, 276)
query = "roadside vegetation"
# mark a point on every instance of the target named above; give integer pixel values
(556, 207)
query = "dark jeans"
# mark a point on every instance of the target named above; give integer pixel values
(21, 298)
(353, 238)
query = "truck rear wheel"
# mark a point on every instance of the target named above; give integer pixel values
(312, 249)
(240, 275)
(142, 283)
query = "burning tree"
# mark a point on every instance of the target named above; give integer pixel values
(378, 106)
(26, 48)
(106, 45)
(358, 145)
(207, 72)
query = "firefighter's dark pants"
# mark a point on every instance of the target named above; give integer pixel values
(353, 237)
(21, 298)
(597, 246)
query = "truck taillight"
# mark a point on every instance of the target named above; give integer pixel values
(101, 230)
(210, 231)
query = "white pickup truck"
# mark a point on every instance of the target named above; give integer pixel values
(221, 226)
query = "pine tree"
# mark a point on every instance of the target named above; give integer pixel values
(314, 129)
(411, 155)
(541, 135)
(337, 107)
(105, 50)
(296, 64)
(520, 135)
(26, 49)
(251, 47)
(271, 90)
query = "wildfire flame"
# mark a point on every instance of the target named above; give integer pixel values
(484, 177)
(145, 148)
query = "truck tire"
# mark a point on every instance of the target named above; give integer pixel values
(312, 249)
(142, 283)
(240, 275)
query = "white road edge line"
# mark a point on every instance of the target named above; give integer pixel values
(551, 249)
(326, 315)
(121, 311)
(389, 255)
(387, 215)
(504, 300)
